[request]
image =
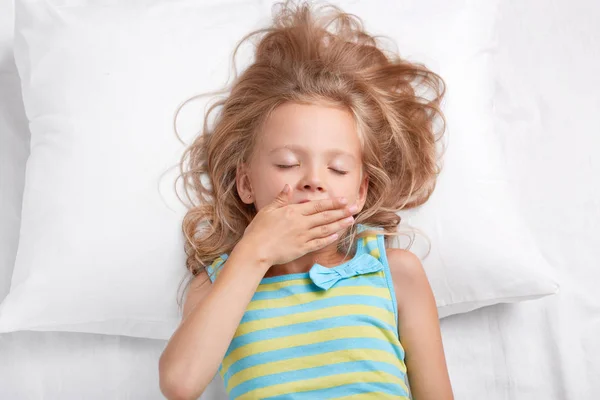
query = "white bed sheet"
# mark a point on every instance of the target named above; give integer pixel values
(548, 55)
(546, 103)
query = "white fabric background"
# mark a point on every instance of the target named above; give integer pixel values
(548, 55)
(547, 83)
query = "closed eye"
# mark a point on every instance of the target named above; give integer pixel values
(296, 165)
(339, 172)
(286, 166)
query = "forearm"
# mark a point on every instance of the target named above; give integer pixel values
(194, 352)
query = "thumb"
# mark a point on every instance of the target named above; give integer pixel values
(283, 198)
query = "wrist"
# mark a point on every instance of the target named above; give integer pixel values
(248, 251)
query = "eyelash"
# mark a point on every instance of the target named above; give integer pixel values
(334, 170)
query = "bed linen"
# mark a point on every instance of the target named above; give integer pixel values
(86, 69)
(547, 58)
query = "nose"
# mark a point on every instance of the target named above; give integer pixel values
(312, 180)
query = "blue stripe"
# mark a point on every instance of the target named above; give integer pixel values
(305, 327)
(286, 291)
(350, 299)
(391, 389)
(388, 276)
(316, 372)
(311, 350)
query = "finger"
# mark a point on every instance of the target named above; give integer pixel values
(283, 198)
(326, 230)
(329, 216)
(314, 207)
(319, 243)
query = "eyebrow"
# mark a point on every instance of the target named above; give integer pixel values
(300, 149)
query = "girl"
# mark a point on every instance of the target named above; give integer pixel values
(296, 293)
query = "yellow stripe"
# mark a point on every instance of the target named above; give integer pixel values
(375, 253)
(322, 383)
(269, 287)
(371, 396)
(309, 297)
(368, 240)
(313, 315)
(214, 265)
(344, 332)
(216, 261)
(317, 360)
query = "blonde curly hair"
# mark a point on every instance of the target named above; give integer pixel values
(310, 55)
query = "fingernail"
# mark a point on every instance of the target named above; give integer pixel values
(343, 200)
(353, 208)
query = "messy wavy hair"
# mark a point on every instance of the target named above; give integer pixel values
(313, 55)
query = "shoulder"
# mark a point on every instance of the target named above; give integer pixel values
(404, 264)
(408, 274)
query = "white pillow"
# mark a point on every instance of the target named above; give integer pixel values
(14, 149)
(101, 248)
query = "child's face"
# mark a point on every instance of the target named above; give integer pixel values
(319, 146)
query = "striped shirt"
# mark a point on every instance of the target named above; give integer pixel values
(327, 333)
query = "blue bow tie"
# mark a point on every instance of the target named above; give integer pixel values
(325, 277)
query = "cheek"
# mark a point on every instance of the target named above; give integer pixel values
(268, 189)
(351, 190)
(345, 188)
